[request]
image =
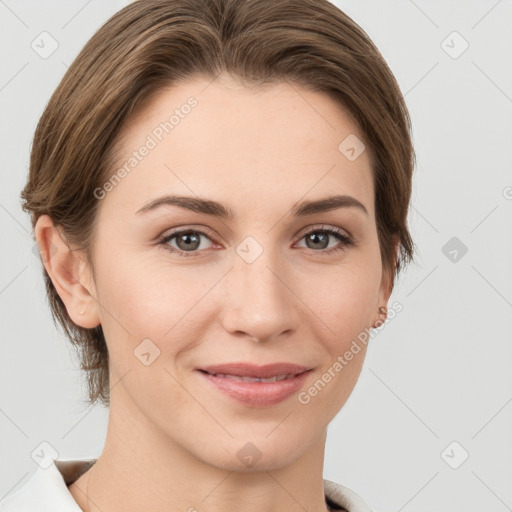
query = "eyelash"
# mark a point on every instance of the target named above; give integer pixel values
(345, 240)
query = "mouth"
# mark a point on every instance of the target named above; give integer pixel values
(248, 372)
(257, 385)
(246, 378)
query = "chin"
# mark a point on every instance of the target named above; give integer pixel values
(257, 452)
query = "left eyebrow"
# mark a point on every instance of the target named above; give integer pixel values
(214, 208)
(328, 204)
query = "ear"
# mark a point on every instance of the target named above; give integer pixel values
(386, 285)
(69, 273)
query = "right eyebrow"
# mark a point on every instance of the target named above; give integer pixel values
(194, 204)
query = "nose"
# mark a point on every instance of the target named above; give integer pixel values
(259, 303)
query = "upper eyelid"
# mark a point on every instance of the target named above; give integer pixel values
(320, 227)
(177, 231)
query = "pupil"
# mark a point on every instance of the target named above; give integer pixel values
(186, 238)
(315, 236)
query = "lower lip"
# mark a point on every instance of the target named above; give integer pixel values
(258, 393)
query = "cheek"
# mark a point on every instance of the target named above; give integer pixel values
(344, 306)
(146, 297)
(343, 296)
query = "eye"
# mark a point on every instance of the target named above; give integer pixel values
(318, 238)
(188, 241)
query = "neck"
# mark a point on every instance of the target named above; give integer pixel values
(142, 468)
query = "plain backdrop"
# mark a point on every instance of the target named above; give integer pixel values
(428, 425)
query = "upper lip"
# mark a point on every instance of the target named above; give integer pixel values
(253, 370)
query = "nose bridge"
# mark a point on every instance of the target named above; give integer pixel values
(258, 301)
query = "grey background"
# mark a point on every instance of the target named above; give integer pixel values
(439, 372)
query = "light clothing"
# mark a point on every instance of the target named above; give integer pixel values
(47, 491)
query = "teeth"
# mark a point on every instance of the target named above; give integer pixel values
(253, 379)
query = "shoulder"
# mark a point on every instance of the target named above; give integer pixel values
(339, 497)
(46, 489)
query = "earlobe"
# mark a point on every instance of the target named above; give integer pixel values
(64, 266)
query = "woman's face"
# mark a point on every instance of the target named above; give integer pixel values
(263, 286)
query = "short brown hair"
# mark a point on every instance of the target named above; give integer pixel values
(152, 44)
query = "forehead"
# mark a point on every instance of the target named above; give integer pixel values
(241, 146)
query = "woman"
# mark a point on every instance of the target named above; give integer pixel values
(251, 131)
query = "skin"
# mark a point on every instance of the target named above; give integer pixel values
(172, 438)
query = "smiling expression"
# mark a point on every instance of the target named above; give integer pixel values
(243, 236)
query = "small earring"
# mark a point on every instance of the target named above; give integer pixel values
(383, 313)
